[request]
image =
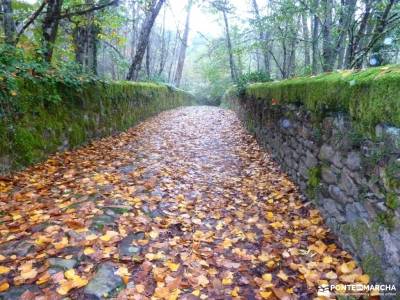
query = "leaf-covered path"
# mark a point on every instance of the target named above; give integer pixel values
(185, 205)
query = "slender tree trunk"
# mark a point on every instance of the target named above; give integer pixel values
(327, 43)
(230, 50)
(182, 52)
(170, 71)
(50, 25)
(376, 34)
(163, 52)
(134, 29)
(148, 23)
(306, 37)
(8, 22)
(348, 8)
(315, 32)
(148, 59)
(263, 37)
(353, 46)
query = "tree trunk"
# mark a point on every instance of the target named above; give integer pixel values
(148, 23)
(163, 52)
(327, 44)
(182, 52)
(315, 32)
(50, 28)
(348, 8)
(263, 36)
(376, 34)
(353, 46)
(86, 42)
(230, 50)
(306, 37)
(174, 49)
(148, 58)
(8, 22)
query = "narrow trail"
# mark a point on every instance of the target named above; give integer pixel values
(185, 205)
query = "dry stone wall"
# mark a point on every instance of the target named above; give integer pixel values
(352, 179)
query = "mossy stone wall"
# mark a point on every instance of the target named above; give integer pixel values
(32, 125)
(341, 145)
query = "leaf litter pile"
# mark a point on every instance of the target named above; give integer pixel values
(183, 206)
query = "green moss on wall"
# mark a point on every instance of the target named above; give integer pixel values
(370, 97)
(314, 178)
(39, 125)
(371, 265)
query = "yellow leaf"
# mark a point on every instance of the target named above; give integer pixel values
(345, 268)
(91, 237)
(122, 271)
(44, 278)
(65, 287)
(70, 274)
(269, 216)
(61, 244)
(220, 225)
(154, 234)
(331, 275)
(235, 292)
(29, 274)
(89, 251)
(172, 266)
(364, 279)
(109, 235)
(161, 292)
(4, 270)
(174, 295)
(79, 282)
(276, 225)
(265, 294)
(264, 257)
(267, 277)
(196, 293)
(327, 260)
(318, 247)
(202, 280)
(155, 256)
(227, 243)
(227, 281)
(282, 275)
(140, 288)
(4, 286)
(2, 257)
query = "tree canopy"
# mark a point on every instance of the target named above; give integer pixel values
(167, 41)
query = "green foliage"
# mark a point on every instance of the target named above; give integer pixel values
(18, 74)
(248, 78)
(370, 96)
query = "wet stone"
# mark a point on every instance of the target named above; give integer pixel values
(104, 282)
(39, 227)
(19, 248)
(157, 213)
(125, 246)
(99, 222)
(62, 263)
(127, 169)
(16, 292)
(115, 210)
